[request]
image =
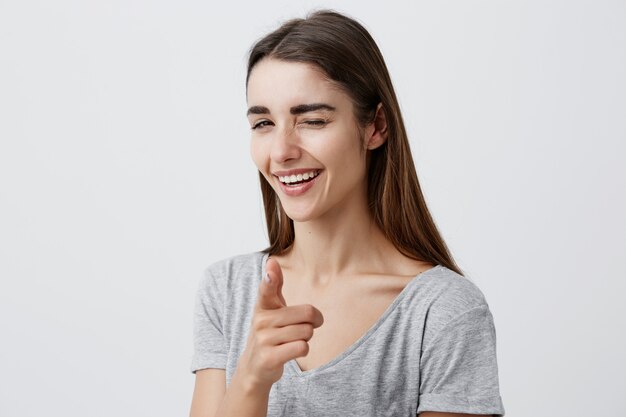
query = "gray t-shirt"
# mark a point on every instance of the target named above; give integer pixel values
(433, 349)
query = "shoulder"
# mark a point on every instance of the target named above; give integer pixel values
(449, 296)
(226, 273)
(450, 292)
(244, 262)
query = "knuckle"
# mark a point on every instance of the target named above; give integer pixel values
(260, 321)
(262, 338)
(268, 360)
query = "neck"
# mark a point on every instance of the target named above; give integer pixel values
(344, 241)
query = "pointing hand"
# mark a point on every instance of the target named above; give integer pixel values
(278, 333)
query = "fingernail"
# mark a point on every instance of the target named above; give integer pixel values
(267, 277)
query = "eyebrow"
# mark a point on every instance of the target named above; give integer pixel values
(299, 109)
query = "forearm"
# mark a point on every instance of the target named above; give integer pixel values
(244, 399)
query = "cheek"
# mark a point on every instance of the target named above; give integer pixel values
(258, 154)
(347, 153)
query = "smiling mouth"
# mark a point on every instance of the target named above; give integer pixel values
(294, 180)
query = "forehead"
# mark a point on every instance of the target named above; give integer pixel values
(278, 84)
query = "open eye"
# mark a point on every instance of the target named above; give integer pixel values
(260, 124)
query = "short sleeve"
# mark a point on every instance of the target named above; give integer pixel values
(459, 370)
(208, 338)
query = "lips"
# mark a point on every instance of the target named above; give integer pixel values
(300, 188)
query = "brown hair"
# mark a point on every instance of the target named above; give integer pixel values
(349, 57)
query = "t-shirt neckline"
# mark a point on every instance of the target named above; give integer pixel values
(293, 364)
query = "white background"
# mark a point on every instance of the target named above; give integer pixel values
(125, 170)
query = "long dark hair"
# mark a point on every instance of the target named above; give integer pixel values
(349, 57)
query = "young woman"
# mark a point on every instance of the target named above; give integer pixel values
(356, 308)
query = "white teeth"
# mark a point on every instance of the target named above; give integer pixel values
(293, 178)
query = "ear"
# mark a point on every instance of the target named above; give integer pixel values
(377, 131)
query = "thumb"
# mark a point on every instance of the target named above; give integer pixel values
(270, 294)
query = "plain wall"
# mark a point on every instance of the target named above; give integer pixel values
(125, 170)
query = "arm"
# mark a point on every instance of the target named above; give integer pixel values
(208, 392)
(241, 399)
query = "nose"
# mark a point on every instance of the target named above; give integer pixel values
(285, 145)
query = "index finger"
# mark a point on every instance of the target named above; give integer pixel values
(270, 295)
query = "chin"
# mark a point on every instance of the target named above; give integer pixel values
(299, 216)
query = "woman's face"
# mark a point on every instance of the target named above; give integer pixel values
(301, 122)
